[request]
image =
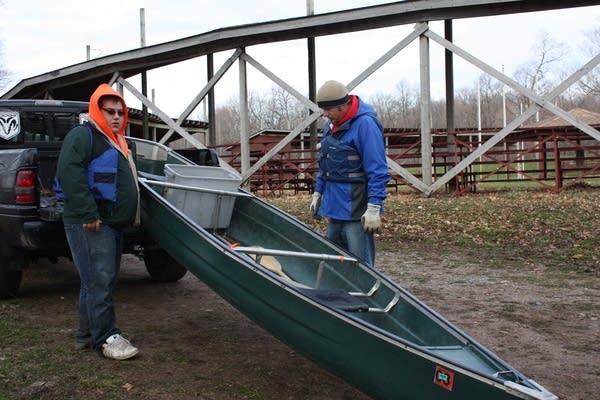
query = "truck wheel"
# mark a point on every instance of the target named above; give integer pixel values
(12, 263)
(162, 267)
(10, 280)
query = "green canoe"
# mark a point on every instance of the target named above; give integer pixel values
(311, 294)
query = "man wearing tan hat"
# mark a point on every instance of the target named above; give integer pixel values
(350, 187)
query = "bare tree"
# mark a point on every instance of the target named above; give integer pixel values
(465, 108)
(285, 110)
(386, 106)
(590, 84)
(227, 121)
(408, 97)
(280, 110)
(398, 110)
(258, 111)
(4, 73)
(276, 110)
(491, 101)
(547, 53)
(438, 114)
(536, 74)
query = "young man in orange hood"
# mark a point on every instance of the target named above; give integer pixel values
(99, 187)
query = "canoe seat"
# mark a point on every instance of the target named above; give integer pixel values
(336, 298)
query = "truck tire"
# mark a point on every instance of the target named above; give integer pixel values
(162, 267)
(10, 278)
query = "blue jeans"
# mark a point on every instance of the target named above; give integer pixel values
(351, 236)
(97, 256)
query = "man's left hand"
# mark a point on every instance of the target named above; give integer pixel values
(371, 221)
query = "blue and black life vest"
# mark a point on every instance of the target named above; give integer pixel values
(340, 162)
(101, 171)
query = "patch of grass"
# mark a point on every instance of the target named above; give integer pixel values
(103, 383)
(15, 332)
(31, 356)
(586, 307)
(575, 347)
(508, 308)
(172, 355)
(523, 278)
(515, 314)
(559, 231)
(237, 390)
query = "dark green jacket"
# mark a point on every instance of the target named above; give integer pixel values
(79, 205)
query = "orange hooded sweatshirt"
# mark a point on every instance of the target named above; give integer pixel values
(95, 114)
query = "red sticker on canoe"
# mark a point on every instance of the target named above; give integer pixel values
(444, 378)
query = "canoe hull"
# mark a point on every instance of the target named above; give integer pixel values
(367, 357)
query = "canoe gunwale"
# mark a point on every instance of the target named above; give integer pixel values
(172, 185)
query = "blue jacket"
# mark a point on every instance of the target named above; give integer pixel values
(353, 166)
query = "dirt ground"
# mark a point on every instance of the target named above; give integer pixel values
(194, 345)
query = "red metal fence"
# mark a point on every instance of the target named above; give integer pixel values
(553, 158)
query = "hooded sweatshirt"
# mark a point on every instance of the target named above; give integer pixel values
(80, 207)
(96, 116)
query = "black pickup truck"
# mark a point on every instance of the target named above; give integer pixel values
(31, 134)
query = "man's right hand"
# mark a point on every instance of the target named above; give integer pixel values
(314, 204)
(93, 226)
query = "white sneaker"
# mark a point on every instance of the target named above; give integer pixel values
(118, 348)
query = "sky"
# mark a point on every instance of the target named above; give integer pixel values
(38, 36)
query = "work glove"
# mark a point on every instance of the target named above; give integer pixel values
(371, 221)
(315, 204)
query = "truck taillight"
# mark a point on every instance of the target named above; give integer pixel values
(25, 187)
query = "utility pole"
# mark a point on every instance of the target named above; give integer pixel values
(153, 129)
(210, 102)
(450, 119)
(479, 138)
(503, 101)
(145, 133)
(312, 85)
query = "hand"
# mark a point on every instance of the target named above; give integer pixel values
(371, 221)
(315, 204)
(92, 226)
